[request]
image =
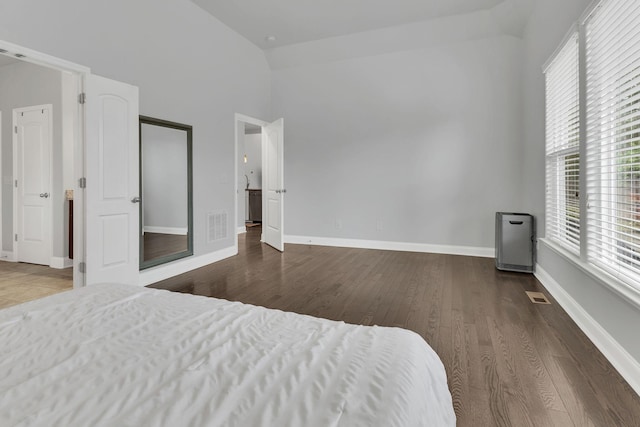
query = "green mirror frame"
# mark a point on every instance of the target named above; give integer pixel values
(145, 120)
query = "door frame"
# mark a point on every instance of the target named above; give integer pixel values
(17, 173)
(3, 255)
(78, 72)
(241, 119)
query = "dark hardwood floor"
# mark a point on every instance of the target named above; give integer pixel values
(509, 362)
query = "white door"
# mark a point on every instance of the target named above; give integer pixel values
(33, 132)
(273, 183)
(111, 195)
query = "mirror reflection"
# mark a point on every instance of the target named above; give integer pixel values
(166, 232)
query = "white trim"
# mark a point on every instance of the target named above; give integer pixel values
(608, 281)
(242, 229)
(165, 271)
(79, 206)
(590, 10)
(250, 120)
(624, 363)
(571, 33)
(43, 59)
(391, 246)
(1, 184)
(182, 231)
(7, 256)
(60, 262)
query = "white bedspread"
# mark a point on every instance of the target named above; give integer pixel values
(118, 355)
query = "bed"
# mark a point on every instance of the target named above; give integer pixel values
(120, 355)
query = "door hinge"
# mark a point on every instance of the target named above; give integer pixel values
(82, 98)
(16, 183)
(82, 182)
(82, 267)
(15, 129)
(16, 237)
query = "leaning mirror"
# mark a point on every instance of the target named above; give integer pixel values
(166, 211)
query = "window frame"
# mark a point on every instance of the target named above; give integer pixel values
(626, 285)
(558, 148)
(613, 236)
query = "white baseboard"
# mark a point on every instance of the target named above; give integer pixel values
(242, 229)
(182, 231)
(60, 262)
(7, 256)
(161, 272)
(626, 365)
(392, 246)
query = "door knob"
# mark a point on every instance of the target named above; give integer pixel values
(135, 200)
(44, 195)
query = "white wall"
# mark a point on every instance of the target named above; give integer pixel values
(418, 142)
(251, 145)
(189, 67)
(24, 85)
(253, 167)
(607, 314)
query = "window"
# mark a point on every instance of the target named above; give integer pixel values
(612, 38)
(599, 94)
(562, 147)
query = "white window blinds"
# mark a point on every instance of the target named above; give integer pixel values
(562, 147)
(613, 138)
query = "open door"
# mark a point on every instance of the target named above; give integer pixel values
(112, 182)
(273, 182)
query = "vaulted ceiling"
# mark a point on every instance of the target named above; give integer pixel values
(296, 21)
(7, 60)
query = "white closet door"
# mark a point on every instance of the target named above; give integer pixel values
(33, 189)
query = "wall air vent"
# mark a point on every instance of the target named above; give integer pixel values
(216, 226)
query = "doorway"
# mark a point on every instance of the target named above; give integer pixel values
(101, 125)
(41, 157)
(252, 171)
(32, 197)
(268, 173)
(247, 162)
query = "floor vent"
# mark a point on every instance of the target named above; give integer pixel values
(537, 298)
(216, 226)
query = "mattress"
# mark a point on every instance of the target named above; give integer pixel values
(119, 355)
